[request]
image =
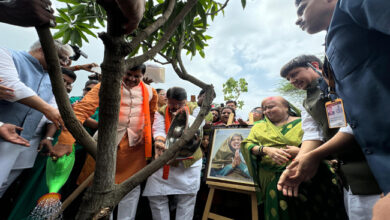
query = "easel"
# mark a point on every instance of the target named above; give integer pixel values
(229, 187)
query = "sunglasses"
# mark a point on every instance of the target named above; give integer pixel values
(87, 89)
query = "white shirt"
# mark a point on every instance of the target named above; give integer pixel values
(10, 77)
(180, 180)
(312, 131)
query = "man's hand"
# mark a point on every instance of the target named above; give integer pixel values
(128, 12)
(303, 168)
(292, 150)
(242, 122)
(159, 148)
(381, 209)
(54, 116)
(27, 13)
(45, 146)
(8, 133)
(278, 155)
(87, 67)
(60, 150)
(6, 93)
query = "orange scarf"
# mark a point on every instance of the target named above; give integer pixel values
(168, 119)
(147, 122)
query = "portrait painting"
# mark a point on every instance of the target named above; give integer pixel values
(226, 162)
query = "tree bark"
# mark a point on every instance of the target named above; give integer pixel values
(103, 195)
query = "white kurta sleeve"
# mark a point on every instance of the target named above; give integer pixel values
(10, 77)
(53, 104)
(311, 130)
(346, 129)
(158, 125)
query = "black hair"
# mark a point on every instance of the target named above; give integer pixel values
(231, 101)
(299, 61)
(234, 112)
(69, 73)
(91, 81)
(177, 93)
(254, 109)
(141, 67)
(158, 90)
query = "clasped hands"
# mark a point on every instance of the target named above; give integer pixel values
(302, 168)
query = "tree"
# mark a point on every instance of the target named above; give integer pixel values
(287, 89)
(167, 28)
(232, 90)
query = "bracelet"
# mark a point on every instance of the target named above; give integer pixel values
(262, 150)
(49, 138)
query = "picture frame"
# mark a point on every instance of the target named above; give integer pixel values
(221, 157)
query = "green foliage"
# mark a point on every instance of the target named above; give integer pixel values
(80, 16)
(232, 90)
(290, 92)
(76, 21)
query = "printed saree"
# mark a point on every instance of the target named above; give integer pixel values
(320, 198)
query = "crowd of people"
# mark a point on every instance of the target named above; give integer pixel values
(326, 159)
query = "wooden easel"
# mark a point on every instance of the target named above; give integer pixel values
(229, 187)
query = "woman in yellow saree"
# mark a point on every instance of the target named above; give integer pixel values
(269, 148)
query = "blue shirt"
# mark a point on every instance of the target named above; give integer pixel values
(358, 49)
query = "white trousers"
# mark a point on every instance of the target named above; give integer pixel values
(185, 205)
(10, 179)
(127, 207)
(359, 207)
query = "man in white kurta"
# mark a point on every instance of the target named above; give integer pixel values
(15, 157)
(183, 182)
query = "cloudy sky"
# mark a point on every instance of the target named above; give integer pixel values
(251, 43)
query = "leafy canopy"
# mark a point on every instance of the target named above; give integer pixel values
(232, 89)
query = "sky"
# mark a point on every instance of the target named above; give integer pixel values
(251, 43)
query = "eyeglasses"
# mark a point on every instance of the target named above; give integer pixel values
(64, 60)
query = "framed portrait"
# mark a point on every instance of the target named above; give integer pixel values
(226, 162)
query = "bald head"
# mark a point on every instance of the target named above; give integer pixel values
(277, 99)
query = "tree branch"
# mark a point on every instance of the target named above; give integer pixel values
(62, 99)
(131, 62)
(182, 72)
(220, 9)
(150, 29)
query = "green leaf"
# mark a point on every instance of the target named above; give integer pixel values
(201, 53)
(86, 30)
(61, 32)
(82, 35)
(243, 3)
(66, 37)
(74, 2)
(64, 15)
(77, 10)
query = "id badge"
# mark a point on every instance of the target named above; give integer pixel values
(335, 114)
